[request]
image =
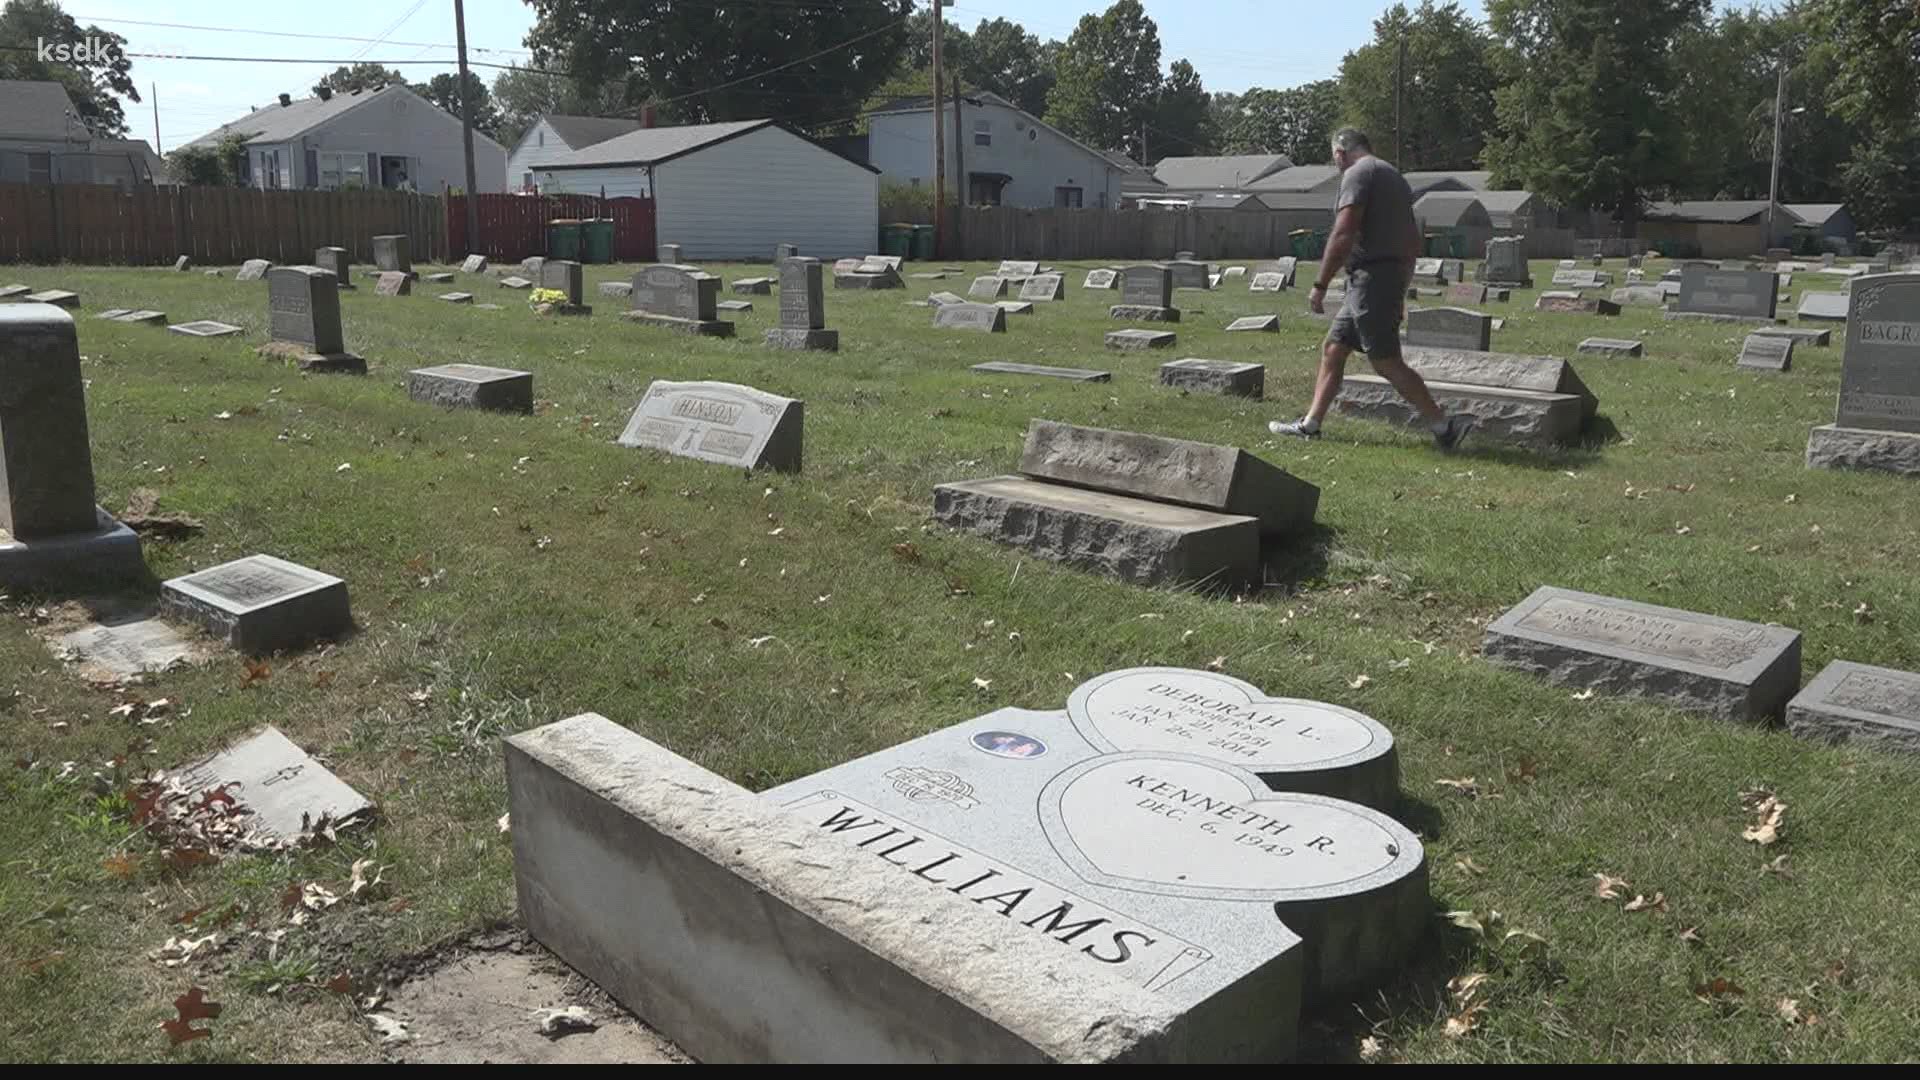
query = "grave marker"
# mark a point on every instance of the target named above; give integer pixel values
(988, 287)
(303, 312)
(61, 298)
(289, 792)
(1465, 293)
(1450, 328)
(334, 260)
(515, 282)
(1506, 263)
(783, 252)
(985, 318)
(803, 308)
(394, 283)
(1146, 294)
(127, 647)
(1877, 424)
(1861, 704)
(1015, 307)
(1765, 353)
(677, 298)
(1259, 323)
(1134, 340)
(182, 264)
(203, 328)
(1575, 304)
(1727, 295)
(1610, 347)
(472, 386)
(1823, 306)
(753, 286)
(1215, 377)
(1266, 281)
(457, 297)
(1043, 288)
(1002, 367)
(393, 253)
(474, 264)
(260, 604)
(252, 270)
(723, 423)
(668, 254)
(1100, 279)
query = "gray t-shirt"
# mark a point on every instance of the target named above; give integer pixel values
(1386, 209)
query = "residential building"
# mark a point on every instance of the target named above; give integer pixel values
(1235, 173)
(383, 137)
(42, 141)
(1714, 228)
(1830, 223)
(1005, 157)
(555, 136)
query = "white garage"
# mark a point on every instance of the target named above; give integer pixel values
(732, 191)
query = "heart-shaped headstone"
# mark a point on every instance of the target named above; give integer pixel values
(1184, 826)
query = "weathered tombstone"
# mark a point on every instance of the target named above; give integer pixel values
(985, 318)
(1799, 335)
(1527, 400)
(123, 646)
(1135, 340)
(734, 305)
(723, 423)
(144, 317)
(1727, 295)
(1826, 258)
(183, 264)
(456, 297)
(1566, 264)
(1580, 279)
(334, 260)
(753, 286)
(566, 276)
(288, 795)
(1428, 272)
(1571, 303)
(204, 328)
(803, 308)
(1223, 377)
(944, 297)
(530, 266)
(783, 252)
(1014, 268)
(1183, 256)
(616, 290)
(474, 264)
(891, 262)
(12, 291)
(1146, 294)
(1234, 271)
(1731, 669)
(57, 297)
(303, 314)
(1760, 352)
(1015, 307)
(393, 253)
(516, 282)
(253, 270)
(259, 604)
(869, 276)
(1258, 323)
(1506, 263)
(1267, 281)
(1635, 262)
(1860, 704)
(1640, 296)
(1450, 328)
(1002, 367)
(1187, 274)
(472, 386)
(394, 283)
(1877, 425)
(988, 287)
(52, 533)
(1044, 288)
(676, 298)
(1822, 306)
(1100, 279)
(1599, 346)
(667, 254)
(1467, 293)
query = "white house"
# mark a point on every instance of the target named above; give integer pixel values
(555, 136)
(1010, 157)
(42, 141)
(732, 190)
(385, 137)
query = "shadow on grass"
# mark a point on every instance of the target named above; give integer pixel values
(1331, 1030)
(1290, 562)
(1421, 816)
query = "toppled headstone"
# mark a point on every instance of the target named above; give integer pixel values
(1015, 307)
(183, 264)
(723, 423)
(1799, 335)
(943, 297)
(1259, 323)
(456, 297)
(986, 318)
(515, 281)
(1101, 279)
(1581, 279)
(869, 276)
(1877, 425)
(204, 328)
(1529, 400)
(1450, 328)
(12, 292)
(260, 604)
(1732, 669)
(472, 386)
(394, 283)
(735, 306)
(1140, 339)
(1467, 293)
(288, 792)
(1575, 304)
(1215, 377)
(1765, 353)
(127, 647)
(1017, 269)
(62, 298)
(1002, 367)
(987, 287)
(616, 289)
(474, 264)
(676, 298)
(1599, 346)
(393, 253)
(803, 311)
(253, 270)
(1640, 296)
(145, 317)
(753, 286)
(1818, 306)
(1860, 705)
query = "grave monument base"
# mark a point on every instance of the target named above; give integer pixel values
(308, 360)
(1834, 447)
(109, 554)
(814, 340)
(1501, 414)
(701, 327)
(1143, 313)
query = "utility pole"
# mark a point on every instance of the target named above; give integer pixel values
(959, 170)
(466, 127)
(939, 143)
(1773, 183)
(156, 117)
(1399, 92)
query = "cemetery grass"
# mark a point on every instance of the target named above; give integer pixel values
(510, 571)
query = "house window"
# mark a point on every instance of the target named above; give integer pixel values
(1067, 198)
(347, 170)
(540, 138)
(40, 168)
(270, 168)
(983, 133)
(984, 189)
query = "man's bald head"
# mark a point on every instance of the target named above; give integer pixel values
(1349, 146)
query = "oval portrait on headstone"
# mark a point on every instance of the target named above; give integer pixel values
(1009, 744)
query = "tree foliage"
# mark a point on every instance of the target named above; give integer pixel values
(94, 84)
(1002, 57)
(444, 90)
(1298, 122)
(1447, 102)
(1108, 77)
(717, 60)
(1183, 117)
(524, 95)
(209, 166)
(365, 75)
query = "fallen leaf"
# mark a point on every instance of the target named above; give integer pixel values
(1864, 613)
(1462, 1025)
(1218, 663)
(361, 882)
(1769, 814)
(1793, 498)
(1467, 864)
(906, 552)
(341, 983)
(558, 1021)
(505, 823)
(1525, 772)
(1607, 887)
(256, 671)
(1778, 866)
(1370, 1048)
(121, 866)
(982, 684)
(1584, 695)
(345, 466)
(1718, 988)
(1532, 946)
(759, 641)
(1463, 987)
(1358, 681)
(1691, 935)
(1463, 786)
(1641, 903)
(1789, 1011)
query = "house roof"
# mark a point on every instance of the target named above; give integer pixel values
(1814, 213)
(1714, 211)
(1296, 178)
(37, 110)
(924, 103)
(580, 132)
(655, 146)
(1297, 200)
(1469, 179)
(278, 123)
(1217, 173)
(1451, 209)
(1503, 202)
(139, 151)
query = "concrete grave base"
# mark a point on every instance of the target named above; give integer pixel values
(812, 340)
(1001, 367)
(1134, 539)
(1215, 377)
(1799, 335)
(1715, 316)
(744, 934)
(1834, 447)
(109, 555)
(472, 386)
(1143, 313)
(1611, 347)
(701, 327)
(1502, 414)
(1140, 339)
(306, 359)
(1860, 705)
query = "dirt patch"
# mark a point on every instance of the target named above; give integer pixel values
(479, 1008)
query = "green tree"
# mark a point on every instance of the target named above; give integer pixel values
(94, 84)
(1584, 105)
(1723, 100)
(524, 95)
(1107, 77)
(1298, 122)
(1873, 49)
(443, 90)
(717, 60)
(1447, 103)
(1002, 57)
(1183, 118)
(365, 75)
(209, 166)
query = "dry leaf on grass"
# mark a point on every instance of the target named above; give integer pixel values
(257, 671)
(982, 684)
(1358, 681)
(1463, 987)
(1464, 786)
(1462, 1025)
(1768, 814)
(1789, 1011)
(1473, 868)
(1778, 866)
(1607, 887)
(1691, 935)
(192, 1005)
(1584, 695)
(1370, 1048)
(1720, 988)
(391, 1031)
(1218, 663)
(505, 823)
(1641, 903)
(906, 552)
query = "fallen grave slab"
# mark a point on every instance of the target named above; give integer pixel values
(984, 318)
(1860, 705)
(1215, 377)
(472, 386)
(1002, 367)
(289, 792)
(1814, 307)
(1765, 353)
(1134, 340)
(56, 297)
(204, 328)
(1143, 313)
(11, 292)
(440, 278)
(1575, 304)
(1256, 323)
(1015, 307)
(144, 318)
(127, 647)
(260, 604)
(1513, 371)
(753, 286)
(1599, 346)
(1799, 335)
(1731, 669)
(1502, 414)
(456, 297)
(733, 305)
(718, 422)
(616, 288)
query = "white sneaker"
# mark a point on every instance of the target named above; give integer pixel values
(1297, 428)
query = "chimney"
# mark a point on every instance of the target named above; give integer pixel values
(325, 93)
(647, 116)
(286, 100)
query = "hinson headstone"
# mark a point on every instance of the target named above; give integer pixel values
(1760, 352)
(803, 308)
(1043, 287)
(677, 298)
(1100, 279)
(335, 261)
(52, 534)
(1734, 670)
(1859, 704)
(1227, 377)
(393, 252)
(303, 309)
(987, 318)
(260, 604)
(1727, 295)
(723, 423)
(1877, 425)
(1450, 328)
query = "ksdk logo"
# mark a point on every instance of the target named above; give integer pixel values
(91, 51)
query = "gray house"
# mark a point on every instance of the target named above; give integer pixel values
(384, 137)
(1829, 221)
(555, 136)
(1010, 157)
(42, 141)
(1236, 173)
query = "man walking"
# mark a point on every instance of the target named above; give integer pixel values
(1375, 240)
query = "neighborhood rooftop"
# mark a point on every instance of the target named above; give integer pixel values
(277, 123)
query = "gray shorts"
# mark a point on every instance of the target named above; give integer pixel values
(1369, 318)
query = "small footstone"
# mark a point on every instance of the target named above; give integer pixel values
(1600, 346)
(1002, 367)
(616, 288)
(1215, 377)
(203, 328)
(1015, 307)
(1140, 339)
(260, 604)
(56, 297)
(13, 291)
(287, 791)
(753, 286)
(1861, 705)
(128, 647)
(517, 282)
(1143, 313)
(1268, 323)
(1799, 335)
(986, 318)
(144, 317)
(457, 297)
(733, 305)
(1765, 353)
(437, 279)
(474, 264)
(394, 283)
(1732, 669)
(472, 386)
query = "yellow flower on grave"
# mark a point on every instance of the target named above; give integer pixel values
(547, 296)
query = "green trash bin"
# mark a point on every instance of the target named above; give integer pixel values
(896, 239)
(563, 239)
(599, 240)
(923, 242)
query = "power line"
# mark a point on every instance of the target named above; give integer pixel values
(288, 34)
(856, 39)
(391, 27)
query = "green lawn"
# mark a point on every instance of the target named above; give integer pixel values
(510, 571)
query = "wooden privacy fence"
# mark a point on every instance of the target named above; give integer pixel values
(98, 223)
(515, 226)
